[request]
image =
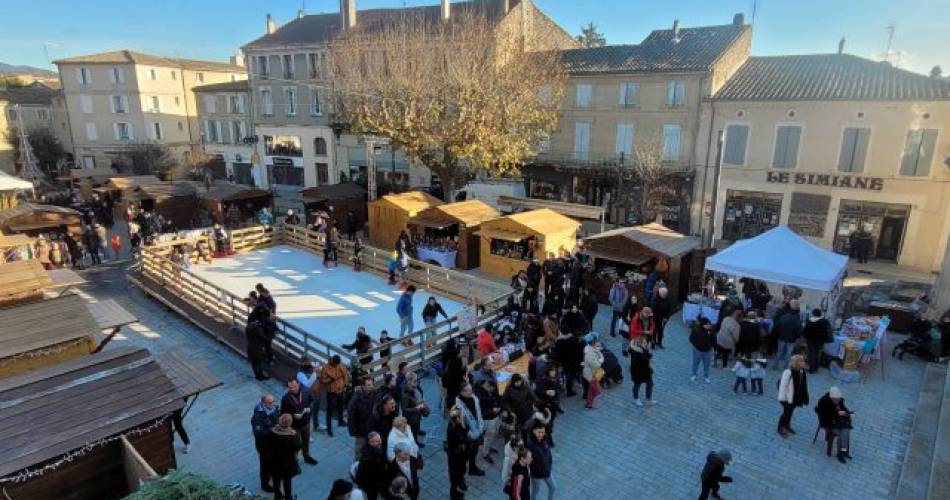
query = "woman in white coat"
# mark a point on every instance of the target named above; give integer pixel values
(593, 373)
(401, 433)
(792, 392)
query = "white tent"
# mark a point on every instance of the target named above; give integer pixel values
(781, 256)
(12, 183)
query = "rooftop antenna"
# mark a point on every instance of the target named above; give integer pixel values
(755, 4)
(890, 39)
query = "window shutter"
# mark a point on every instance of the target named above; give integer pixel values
(115, 130)
(121, 76)
(581, 140)
(112, 103)
(86, 103)
(793, 137)
(125, 104)
(207, 131)
(736, 138)
(79, 76)
(846, 157)
(781, 147)
(91, 133)
(862, 137)
(927, 145)
(131, 132)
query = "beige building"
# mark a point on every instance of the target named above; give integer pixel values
(37, 105)
(224, 117)
(622, 97)
(829, 144)
(116, 99)
(290, 85)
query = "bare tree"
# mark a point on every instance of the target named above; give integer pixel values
(149, 158)
(46, 147)
(590, 37)
(454, 94)
(655, 179)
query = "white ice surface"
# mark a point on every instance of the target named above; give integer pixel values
(328, 303)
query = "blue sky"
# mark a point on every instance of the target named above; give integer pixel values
(214, 29)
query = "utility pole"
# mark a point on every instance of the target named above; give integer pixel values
(708, 241)
(372, 144)
(623, 216)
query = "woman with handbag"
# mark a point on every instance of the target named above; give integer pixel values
(792, 393)
(630, 311)
(282, 447)
(593, 373)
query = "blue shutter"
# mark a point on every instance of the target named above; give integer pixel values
(736, 138)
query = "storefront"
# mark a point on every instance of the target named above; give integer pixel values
(886, 224)
(750, 213)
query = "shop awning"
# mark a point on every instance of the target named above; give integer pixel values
(500, 234)
(637, 259)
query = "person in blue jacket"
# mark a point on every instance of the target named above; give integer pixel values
(404, 310)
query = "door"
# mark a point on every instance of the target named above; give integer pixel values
(889, 242)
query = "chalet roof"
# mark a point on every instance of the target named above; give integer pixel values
(821, 77)
(543, 221)
(656, 237)
(321, 28)
(333, 192)
(80, 402)
(189, 378)
(46, 323)
(410, 201)
(133, 57)
(132, 181)
(15, 240)
(469, 212)
(27, 209)
(22, 277)
(232, 192)
(235, 86)
(695, 49)
(163, 190)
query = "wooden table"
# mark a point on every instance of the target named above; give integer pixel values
(519, 365)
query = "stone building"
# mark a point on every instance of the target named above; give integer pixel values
(224, 116)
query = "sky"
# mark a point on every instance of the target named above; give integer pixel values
(215, 29)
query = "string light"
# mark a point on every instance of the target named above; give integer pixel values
(40, 353)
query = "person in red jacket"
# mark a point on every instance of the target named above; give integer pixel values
(642, 325)
(486, 341)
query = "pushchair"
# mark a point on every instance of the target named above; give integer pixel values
(920, 342)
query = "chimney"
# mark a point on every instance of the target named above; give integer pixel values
(348, 13)
(738, 19)
(841, 46)
(271, 25)
(676, 31)
(446, 10)
(300, 14)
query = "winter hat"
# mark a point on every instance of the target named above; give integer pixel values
(341, 487)
(815, 315)
(725, 455)
(834, 393)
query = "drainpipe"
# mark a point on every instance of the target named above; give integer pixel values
(702, 208)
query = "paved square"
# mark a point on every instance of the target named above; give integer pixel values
(617, 451)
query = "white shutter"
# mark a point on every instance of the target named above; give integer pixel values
(85, 102)
(131, 132)
(581, 140)
(207, 130)
(625, 139)
(112, 103)
(79, 76)
(125, 104)
(241, 104)
(121, 75)
(115, 130)
(91, 132)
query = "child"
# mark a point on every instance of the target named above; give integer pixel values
(511, 454)
(743, 370)
(391, 266)
(757, 373)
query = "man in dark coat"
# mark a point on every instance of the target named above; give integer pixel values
(299, 404)
(371, 473)
(816, 332)
(262, 422)
(713, 473)
(835, 418)
(787, 329)
(256, 340)
(570, 354)
(542, 462)
(359, 415)
(662, 311)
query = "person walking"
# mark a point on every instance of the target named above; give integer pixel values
(102, 236)
(283, 445)
(307, 378)
(792, 393)
(256, 339)
(714, 473)
(617, 296)
(817, 332)
(457, 451)
(297, 403)
(431, 311)
(490, 405)
(116, 242)
(642, 325)
(702, 340)
(467, 402)
(542, 462)
(835, 418)
(334, 377)
(593, 373)
(519, 399)
(404, 310)
(641, 370)
(787, 329)
(631, 310)
(359, 419)
(519, 487)
(373, 469)
(728, 337)
(263, 420)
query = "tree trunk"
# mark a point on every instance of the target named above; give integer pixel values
(447, 179)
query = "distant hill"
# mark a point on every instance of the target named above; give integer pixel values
(12, 69)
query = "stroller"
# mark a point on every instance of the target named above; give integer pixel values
(920, 342)
(613, 373)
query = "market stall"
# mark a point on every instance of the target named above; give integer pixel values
(338, 200)
(445, 234)
(33, 219)
(16, 247)
(509, 243)
(175, 201)
(389, 215)
(227, 202)
(632, 253)
(87, 179)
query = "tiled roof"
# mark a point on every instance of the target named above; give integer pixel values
(820, 77)
(132, 57)
(235, 86)
(30, 95)
(695, 50)
(321, 28)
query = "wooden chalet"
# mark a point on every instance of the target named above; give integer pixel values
(92, 427)
(337, 199)
(508, 244)
(457, 224)
(248, 199)
(16, 247)
(33, 219)
(389, 215)
(175, 201)
(23, 281)
(634, 252)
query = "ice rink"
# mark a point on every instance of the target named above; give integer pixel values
(329, 303)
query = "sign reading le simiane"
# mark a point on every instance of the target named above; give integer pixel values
(842, 181)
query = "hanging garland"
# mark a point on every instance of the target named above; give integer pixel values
(42, 353)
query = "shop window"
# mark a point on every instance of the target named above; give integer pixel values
(808, 214)
(320, 146)
(749, 213)
(737, 138)
(854, 149)
(787, 138)
(918, 152)
(883, 223)
(282, 145)
(323, 174)
(287, 175)
(518, 250)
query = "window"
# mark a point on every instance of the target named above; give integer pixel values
(290, 102)
(42, 115)
(209, 103)
(237, 131)
(282, 145)
(123, 131)
(918, 152)
(313, 64)
(737, 138)
(584, 92)
(153, 74)
(315, 103)
(84, 76)
(628, 94)
(787, 138)
(212, 131)
(117, 75)
(235, 104)
(157, 131)
(545, 145)
(232, 77)
(581, 140)
(288, 61)
(91, 133)
(323, 174)
(11, 114)
(174, 75)
(200, 77)
(320, 146)
(675, 93)
(218, 132)
(262, 66)
(854, 149)
(267, 103)
(287, 175)
(120, 104)
(625, 133)
(85, 102)
(88, 161)
(672, 135)
(154, 106)
(177, 101)
(181, 127)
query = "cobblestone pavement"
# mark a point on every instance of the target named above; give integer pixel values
(616, 451)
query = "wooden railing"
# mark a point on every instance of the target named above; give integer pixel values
(296, 342)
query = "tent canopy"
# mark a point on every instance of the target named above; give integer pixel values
(13, 183)
(781, 256)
